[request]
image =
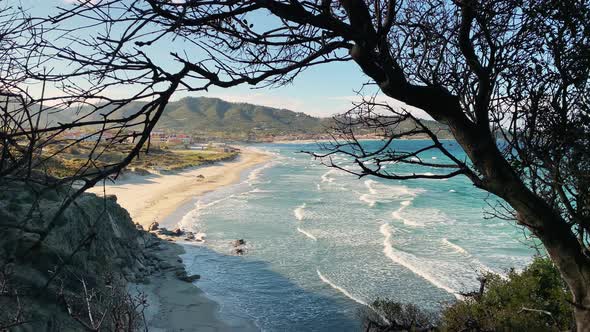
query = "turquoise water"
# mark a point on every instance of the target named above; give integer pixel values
(321, 244)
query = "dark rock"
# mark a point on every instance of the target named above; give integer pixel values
(138, 227)
(177, 232)
(164, 231)
(153, 244)
(163, 265)
(238, 243)
(200, 176)
(190, 278)
(153, 226)
(239, 251)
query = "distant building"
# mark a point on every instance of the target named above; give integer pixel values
(198, 147)
(158, 136)
(72, 134)
(186, 139)
(171, 141)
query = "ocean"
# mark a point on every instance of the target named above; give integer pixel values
(322, 244)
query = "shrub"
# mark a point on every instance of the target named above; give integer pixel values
(388, 315)
(536, 299)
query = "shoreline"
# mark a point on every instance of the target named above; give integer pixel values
(320, 141)
(152, 198)
(176, 305)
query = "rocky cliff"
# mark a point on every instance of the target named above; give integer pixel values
(78, 273)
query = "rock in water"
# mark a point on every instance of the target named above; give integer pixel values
(191, 278)
(164, 231)
(238, 243)
(153, 226)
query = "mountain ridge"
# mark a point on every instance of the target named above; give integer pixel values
(218, 118)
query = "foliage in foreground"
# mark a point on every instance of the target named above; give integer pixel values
(536, 299)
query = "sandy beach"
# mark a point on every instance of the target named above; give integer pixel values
(150, 198)
(176, 305)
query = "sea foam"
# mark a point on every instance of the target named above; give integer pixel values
(326, 178)
(340, 289)
(367, 199)
(309, 235)
(299, 212)
(255, 174)
(397, 215)
(455, 247)
(405, 260)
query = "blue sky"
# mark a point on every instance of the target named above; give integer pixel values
(320, 91)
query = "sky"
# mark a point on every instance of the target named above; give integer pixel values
(322, 90)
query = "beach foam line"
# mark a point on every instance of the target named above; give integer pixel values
(476, 263)
(367, 198)
(191, 218)
(397, 215)
(258, 190)
(299, 212)
(255, 173)
(203, 206)
(340, 289)
(309, 235)
(455, 247)
(400, 259)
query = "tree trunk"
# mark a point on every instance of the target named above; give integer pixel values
(582, 315)
(573, 265)
(538, 216)
(497, 177)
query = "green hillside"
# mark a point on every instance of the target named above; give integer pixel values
(212, 117)
(216, 115)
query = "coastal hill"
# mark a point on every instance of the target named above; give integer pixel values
(217, 118)
(216, 115)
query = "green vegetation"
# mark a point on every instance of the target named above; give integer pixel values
(170, 160)
(536, 299)
(212, 117)
(74, 159)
